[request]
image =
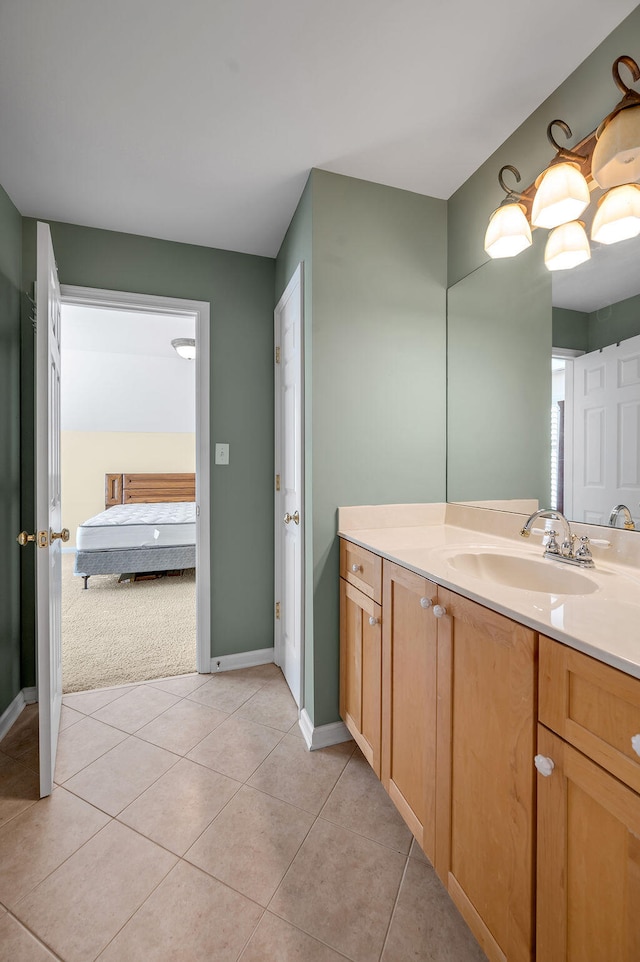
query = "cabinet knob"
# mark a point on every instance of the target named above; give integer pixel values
(355, 568)
(374, 621)
(426, 602)
(635, 744)
(439, 611)
(544, 765)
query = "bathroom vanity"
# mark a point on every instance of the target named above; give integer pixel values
(455, 675)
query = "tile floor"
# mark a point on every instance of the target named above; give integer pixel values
(189, 822)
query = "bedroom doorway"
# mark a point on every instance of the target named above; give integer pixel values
(135, 427)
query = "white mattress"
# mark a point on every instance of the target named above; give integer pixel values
(139, 526)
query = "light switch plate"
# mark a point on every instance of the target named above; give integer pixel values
(222, 454)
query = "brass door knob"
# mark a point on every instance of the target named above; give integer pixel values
(63, 535)
(295, 517)
(41, 537)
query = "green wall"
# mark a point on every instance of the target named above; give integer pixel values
(10, 516)
(375, 398)
(239, 288)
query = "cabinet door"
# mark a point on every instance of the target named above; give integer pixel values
(361, 670)
(486, 743)
(409, 665)
(588, 906)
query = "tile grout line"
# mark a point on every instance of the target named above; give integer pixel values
(395, 906)
(37, 938)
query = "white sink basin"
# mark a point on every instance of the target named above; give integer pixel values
(551, 577)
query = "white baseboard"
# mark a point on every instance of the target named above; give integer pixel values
(323, 735)
(244, 659)
(12, 712)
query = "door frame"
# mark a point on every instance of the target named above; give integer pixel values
(297, 278)
(155, 304)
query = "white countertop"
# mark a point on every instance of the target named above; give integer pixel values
(604, 623)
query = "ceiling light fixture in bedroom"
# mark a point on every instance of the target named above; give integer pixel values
(185, 347)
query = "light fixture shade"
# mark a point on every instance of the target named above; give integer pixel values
(567, 246)
(618, 215)
(185, 347)
(561, 196)
(508, 232)
(616, 155)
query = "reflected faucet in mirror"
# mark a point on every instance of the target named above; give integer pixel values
(622, 509)
(564, 552)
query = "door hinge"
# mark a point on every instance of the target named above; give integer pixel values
(277, 355)
(277, 609)
(277, 482)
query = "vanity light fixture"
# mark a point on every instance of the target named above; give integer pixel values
(608, 158)
(508, 232)
(185, 347)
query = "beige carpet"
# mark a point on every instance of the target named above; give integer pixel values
(114, 633)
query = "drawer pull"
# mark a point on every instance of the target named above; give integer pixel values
(635, 744)
(544, 765)
(426, 602)
(355, 568)
(439, 611)
(374, 621)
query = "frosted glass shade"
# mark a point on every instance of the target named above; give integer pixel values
(508, 232)
(618, 215)
(561, 196)
(616, 155)
(185, 347)
(567, 246)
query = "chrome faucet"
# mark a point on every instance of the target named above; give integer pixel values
(628, 520)
(565, 552)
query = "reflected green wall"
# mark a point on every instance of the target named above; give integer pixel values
(615, 323)
(10, 516)
(499, 382)
(239, 288)
(570, 329)
(375, 391)
(590, 332)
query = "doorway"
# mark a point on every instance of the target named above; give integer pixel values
(149, 432)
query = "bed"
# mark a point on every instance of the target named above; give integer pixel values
(148, 525)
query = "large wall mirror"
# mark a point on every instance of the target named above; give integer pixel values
(570, 439)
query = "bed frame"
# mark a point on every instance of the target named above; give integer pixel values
(148, 488)
(140, 489)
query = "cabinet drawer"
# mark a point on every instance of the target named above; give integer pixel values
(361, 568)
(593, 706)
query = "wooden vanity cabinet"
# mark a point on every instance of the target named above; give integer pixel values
(588, 876)
(361, 670)
(361, 648)
(409, 699)
(487, 674)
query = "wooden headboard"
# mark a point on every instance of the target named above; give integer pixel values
(148, 488)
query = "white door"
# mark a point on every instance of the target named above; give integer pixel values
(48, 513)
(289, 520)
(606, 432)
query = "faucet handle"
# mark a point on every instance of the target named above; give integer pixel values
(583, 551)
(552, 545)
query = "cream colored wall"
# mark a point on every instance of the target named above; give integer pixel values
(88, 455)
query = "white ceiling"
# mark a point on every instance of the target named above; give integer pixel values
(122, 332)
(199, 120)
